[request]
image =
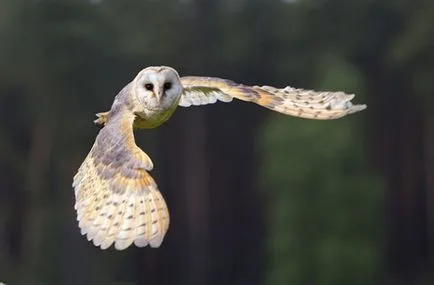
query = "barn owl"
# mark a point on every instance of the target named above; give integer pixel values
(116, 199)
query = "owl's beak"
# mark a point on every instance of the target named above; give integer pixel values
(159, 92)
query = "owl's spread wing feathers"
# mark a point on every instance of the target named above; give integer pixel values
(290, 101)
(202, 95)
(117, 201)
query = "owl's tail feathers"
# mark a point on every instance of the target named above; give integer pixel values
(124, 219)
(101, 118)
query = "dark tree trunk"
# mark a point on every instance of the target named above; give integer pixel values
(398, 130)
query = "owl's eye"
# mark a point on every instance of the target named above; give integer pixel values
(149, 86)
(167, 85)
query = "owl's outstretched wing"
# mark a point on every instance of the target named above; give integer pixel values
(117, 201)
(290, 101)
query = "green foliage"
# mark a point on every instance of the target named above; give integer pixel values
(324, 203)
(324, 200)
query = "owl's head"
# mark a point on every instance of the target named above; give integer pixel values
(157, 88)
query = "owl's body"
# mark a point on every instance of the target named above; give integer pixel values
(117, 201)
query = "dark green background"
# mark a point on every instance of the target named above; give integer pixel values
(255, 197)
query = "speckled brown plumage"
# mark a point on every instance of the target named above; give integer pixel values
(301, 103)
(117, 201)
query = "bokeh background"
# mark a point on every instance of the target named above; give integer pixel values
(255, 197)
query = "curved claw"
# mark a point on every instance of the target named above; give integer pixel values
(101, 118)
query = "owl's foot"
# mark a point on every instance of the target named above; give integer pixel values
(102, 118)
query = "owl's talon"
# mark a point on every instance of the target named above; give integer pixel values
(102, 118)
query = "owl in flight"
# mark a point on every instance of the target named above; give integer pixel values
(117, 201)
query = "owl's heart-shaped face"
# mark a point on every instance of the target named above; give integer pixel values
(157, 89)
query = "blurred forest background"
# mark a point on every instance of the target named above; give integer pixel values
(255, 197)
